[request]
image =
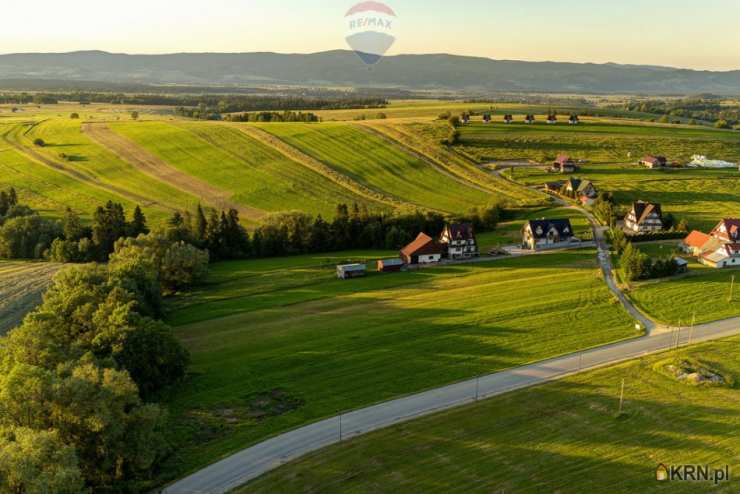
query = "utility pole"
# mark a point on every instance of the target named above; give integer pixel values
(340, 427)
(691, 329)
(732, 288)
(477, 380)
(678, 334)
(621, 398)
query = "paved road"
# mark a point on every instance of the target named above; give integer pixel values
(249, 463)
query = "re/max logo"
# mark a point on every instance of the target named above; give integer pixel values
(693, 473)
(365, 22)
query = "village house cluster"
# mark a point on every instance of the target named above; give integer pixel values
(456, 242)
(718, 249)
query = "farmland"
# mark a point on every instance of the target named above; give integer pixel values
(287, 324)
(595, 140)
(372, 161)
(21, 287)
(556, 437)
(254, 174)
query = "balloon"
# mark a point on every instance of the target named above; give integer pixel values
(370, 29)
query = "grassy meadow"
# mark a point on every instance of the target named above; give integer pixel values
(22, 284)
(257, 175)
(335, 345)
(379, 165)
(557, 437)
(595, 140)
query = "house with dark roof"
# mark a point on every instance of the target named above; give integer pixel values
(459, 240)
(644, 217)
(577, 188)
(573, 119)
(651, 161)
(508, 118)
(547, 234)
(390, 265)
(563, 164)
(529, 119)
(423, 250)
(727, 230)
(552, 118)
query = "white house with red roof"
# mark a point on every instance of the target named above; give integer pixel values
(719, 249)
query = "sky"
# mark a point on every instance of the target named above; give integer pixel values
(679, 33)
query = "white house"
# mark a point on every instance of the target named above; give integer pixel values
(459, 238)
(644, 217)
(547, 234)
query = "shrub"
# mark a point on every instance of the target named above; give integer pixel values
(39, 142)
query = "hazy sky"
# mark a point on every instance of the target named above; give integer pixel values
(682, 33)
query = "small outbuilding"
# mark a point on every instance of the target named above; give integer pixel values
(390, 265)
(683, 265)
(564, 164)
(347, 271)
(651, 161)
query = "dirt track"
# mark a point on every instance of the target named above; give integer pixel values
(159, 169)
(21, 287)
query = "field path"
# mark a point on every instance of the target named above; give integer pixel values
(80, 176)
(240, 468)
(159, 169)
(21, 287)
(327, 171)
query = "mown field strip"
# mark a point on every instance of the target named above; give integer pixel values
(406, 136)
(21, 287)
(319, 167)
(159, 169)
(372, 161)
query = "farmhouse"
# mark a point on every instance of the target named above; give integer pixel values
(554, 186)
(575, 187)
(573, 119)
(508, 118)
(552, 118)
(727, 230)
(654, 161)
(390, 265)
(644, 217)
(459, 240)
(543, 234)
(719, 249)
(529, 119)
(423, 250)
(347, 271)
(564, 164)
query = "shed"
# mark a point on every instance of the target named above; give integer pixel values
(683, 264)
(390, 265)
(347, 271)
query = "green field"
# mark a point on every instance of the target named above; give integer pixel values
(703, 197)
(379, 165)
(258, 176)
(97, 166)
(22, 284)
(556, 437)
(48, 191)
(596, 141)
(338, 344)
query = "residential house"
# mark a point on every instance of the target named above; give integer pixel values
(508, 118)
(486, 118)
(390, 265)
(573, 119)
(465, 118)
(654, 161)
(460, 241)
(727, 230)
(564, 164)
(347, 271)
(423, 250)
(552, 118)
(577, 188)
(727, 255)
(694, 243)
(555, 187)
(544, 234)
(644, 217)
(529, 119)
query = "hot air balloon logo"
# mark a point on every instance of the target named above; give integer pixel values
(370, 30)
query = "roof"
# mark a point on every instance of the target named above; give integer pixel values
(723, 252)
(422, 245)
(574, 183)
(391, 262)
(352, 267)
(655, 160)
(680, 261)
(728, 229)
(562, 159)
(541, 227)
(696, 239)
(461, 231)
(643, 209)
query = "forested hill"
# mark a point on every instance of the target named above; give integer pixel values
(341, 67)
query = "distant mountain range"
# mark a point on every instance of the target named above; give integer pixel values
(344, 68)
